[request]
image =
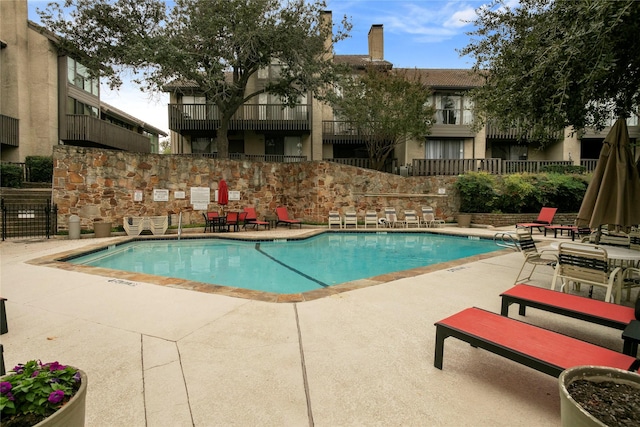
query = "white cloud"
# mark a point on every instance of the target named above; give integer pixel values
(461, 18)
(150, 108)
(429, 21)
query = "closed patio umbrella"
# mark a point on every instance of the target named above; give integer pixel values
(613, 195)
(223, 193)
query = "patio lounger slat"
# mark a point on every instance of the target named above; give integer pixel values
(541, 349)
(575, 306)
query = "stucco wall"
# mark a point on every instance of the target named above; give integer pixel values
(100, 184)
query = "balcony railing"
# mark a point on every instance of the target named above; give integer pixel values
(494, 132)
(276, 158)
(81, 128)
(189, 117)
(426, 167)
(9, 131)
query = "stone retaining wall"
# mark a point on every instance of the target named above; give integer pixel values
(99, 184)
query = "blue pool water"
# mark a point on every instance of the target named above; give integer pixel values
(286, 266)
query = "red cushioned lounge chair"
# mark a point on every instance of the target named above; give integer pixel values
(252, 219)
(544, 218)
(283, 217)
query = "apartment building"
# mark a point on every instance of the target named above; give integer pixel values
(47, 98)
(262, 129)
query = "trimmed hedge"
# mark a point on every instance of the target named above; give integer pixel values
(481, 192)
(10, 175)
(40, 168)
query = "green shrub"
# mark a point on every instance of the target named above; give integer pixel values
(516, 193)
(520, 193)
(10, 175)
(476, 190)
(568, 192)
(40, 168)
(563, 169)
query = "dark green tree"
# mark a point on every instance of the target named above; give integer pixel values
(215, 44)
(550, 64)
(385, 108)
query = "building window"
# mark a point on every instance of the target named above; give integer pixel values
(78, 75)
(203, 146)
(444, 149)
(80, 108)
(453, 109)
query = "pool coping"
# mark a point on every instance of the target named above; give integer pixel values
(59, 260)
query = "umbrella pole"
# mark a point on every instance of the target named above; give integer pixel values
(598, 234)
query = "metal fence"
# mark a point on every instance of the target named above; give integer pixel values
(29, 220)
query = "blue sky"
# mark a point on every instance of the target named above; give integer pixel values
(417, 33)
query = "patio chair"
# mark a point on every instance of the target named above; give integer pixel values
(531, 255)
(429, 218)
(209, 221)
(158, 224)
(335, 219)
(391, 218)
(631, 274)
(545, 217)
(283, 217)
(350, 218)
(133, 225)
(370, 218)
(586, 264)
(233, 221)
(411, 218)
(251, 219)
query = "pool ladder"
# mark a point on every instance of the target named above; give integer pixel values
(506, 239)
(179, 225)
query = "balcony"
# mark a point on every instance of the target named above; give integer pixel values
(515, 133)
(257, 117)
(9, 131)
(339, 132)
(90, 131)
(275, 158)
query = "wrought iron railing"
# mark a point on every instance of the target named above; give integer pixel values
(29, 220)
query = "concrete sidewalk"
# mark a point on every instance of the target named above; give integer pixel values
(161, 356)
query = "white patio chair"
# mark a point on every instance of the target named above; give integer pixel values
(587, 264)
(411, 218)
(350, 218)
(371, 218)
(335, 219)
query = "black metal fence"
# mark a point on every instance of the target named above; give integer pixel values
(29, 220)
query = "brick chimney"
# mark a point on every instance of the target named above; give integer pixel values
(376, 43)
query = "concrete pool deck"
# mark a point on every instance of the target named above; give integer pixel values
(167, 356)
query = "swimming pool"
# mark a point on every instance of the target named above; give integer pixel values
(286, 266)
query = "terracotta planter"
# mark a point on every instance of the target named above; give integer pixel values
(574, 415)
(464, 220)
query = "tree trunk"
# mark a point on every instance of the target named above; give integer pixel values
(222, 138)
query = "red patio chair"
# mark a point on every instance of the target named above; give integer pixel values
(252, 219)
(283, 217)
(544, 218)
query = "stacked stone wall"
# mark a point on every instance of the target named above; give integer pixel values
(99, 184)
